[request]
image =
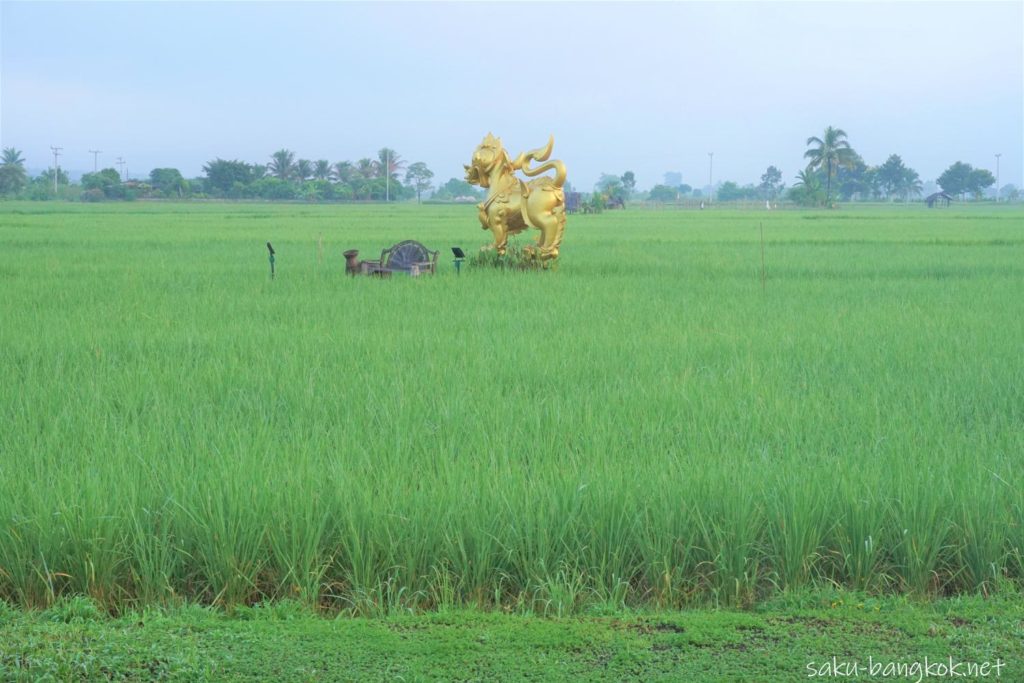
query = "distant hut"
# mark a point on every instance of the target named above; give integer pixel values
(940, 198)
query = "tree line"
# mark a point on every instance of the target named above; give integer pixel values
(386, 177)
(834, 171)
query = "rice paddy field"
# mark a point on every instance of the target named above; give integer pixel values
(658, 423)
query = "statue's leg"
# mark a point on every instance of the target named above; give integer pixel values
(499, 227)
(551, 222)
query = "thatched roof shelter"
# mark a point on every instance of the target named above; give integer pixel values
(942, 198)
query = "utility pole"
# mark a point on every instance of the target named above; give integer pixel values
(997, 176)
(95, 156)
(711, 184)
(56, 167)
(121, 162)
(387, 175)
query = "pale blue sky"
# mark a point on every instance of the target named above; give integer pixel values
(646, 87)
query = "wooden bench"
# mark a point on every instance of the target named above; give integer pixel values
(405, 257)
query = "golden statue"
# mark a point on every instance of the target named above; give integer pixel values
(513, 205)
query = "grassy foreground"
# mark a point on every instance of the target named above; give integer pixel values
(787, 639)
(649, 426)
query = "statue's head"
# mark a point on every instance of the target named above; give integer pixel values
(487, 154)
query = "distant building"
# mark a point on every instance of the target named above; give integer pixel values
(940, 198)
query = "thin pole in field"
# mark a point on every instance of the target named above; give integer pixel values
(763, 274)
(997, 176)
(120, 162)
(711, 184)
(95, 158)
(387, 176)
(56, 167)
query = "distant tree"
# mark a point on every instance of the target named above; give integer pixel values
(303, 170)
(894, 178)
(663, 193)
(807, 189)
(960, 179)
(978, 181)
(457, 187)
(628, 183)
(611, 187)
(368, 168)
(222, 175)
(855, 179)
(684, 189)
(771, 179)
(344, 171)
(729, 191)
(828, 153)
(1009, 193)
(322, 169)
(282, 164)
(273, 187)
(169, 181)
(390, 162)
(418, 175)
(107, 181)
(910, 184)
(13, 177)
(47, 176)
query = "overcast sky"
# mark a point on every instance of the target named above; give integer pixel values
(643, 87)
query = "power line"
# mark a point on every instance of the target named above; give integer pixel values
(121, 162)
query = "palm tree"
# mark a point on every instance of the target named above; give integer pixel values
(282, 164)
(910, 184)
(391, 160)
(829, 153)
(322, 169)
(12, 157)
(303, 169)
(12, 171)
(344, 171)
(368, 168)
(807, 187)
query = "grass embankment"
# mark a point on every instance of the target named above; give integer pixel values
(646, 426)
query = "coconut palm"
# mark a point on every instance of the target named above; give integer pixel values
(322, 169)
(910, 184)
(344, 171)
(368, 168)
(829, 153)
(282, 164)
(12, 171)
(807, 188)
(303, 169)
(391, 160)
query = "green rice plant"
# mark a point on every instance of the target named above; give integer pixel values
(644, 426)
(798, 523)
(920, 536)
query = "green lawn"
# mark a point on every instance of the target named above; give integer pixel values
(648, 427)
(776, 642)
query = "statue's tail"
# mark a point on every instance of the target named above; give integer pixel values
(522, 162)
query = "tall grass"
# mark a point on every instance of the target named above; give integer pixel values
(645, 426)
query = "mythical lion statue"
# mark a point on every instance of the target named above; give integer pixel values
(513, 205)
